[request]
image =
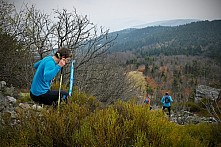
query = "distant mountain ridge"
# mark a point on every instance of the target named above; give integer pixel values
(174, 22)
(197, 38)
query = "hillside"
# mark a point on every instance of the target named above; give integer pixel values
(175, 22)
(197, 38)
(176, 58)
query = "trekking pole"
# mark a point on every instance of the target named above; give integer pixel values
(71, 77)
(59, 92)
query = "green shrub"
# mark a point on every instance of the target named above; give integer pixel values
(24, 97)
(82, 122)
(193, 106)
(56, 85)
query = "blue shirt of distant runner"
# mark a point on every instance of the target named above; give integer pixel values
(163, 100)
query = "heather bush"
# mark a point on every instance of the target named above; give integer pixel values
(83, 122)
(193, 106)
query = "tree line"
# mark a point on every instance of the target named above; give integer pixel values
(197, 38)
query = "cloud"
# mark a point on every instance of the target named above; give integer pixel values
(119, 14)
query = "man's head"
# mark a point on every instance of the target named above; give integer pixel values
(63, 53)
(167, 93)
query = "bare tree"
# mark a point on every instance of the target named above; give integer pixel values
(15, 58)
(6, 19)
(212, 106)
(85, 40)
(36, 30)
(81, 36)
(106, 78)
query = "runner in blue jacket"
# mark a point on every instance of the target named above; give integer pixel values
(46, 70)
(166, 100)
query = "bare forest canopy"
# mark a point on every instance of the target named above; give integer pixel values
(202, 38)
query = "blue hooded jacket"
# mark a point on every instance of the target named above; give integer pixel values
(46, 70)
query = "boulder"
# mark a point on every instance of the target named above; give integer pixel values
(203, 91)
(2, 84)
(9, 108)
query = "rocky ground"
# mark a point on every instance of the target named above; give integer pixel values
(10, 106)
(9, 109)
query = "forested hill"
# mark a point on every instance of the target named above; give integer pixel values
(197, 38)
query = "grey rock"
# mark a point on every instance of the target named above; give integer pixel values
(203, 91)
(11, 99)
(2, 84)
(24, 105)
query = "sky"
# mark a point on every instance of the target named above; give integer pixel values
(121, 14)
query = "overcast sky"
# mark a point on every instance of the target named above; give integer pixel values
(120, 14)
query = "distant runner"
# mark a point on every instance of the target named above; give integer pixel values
(147, 101)
(166, 100)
